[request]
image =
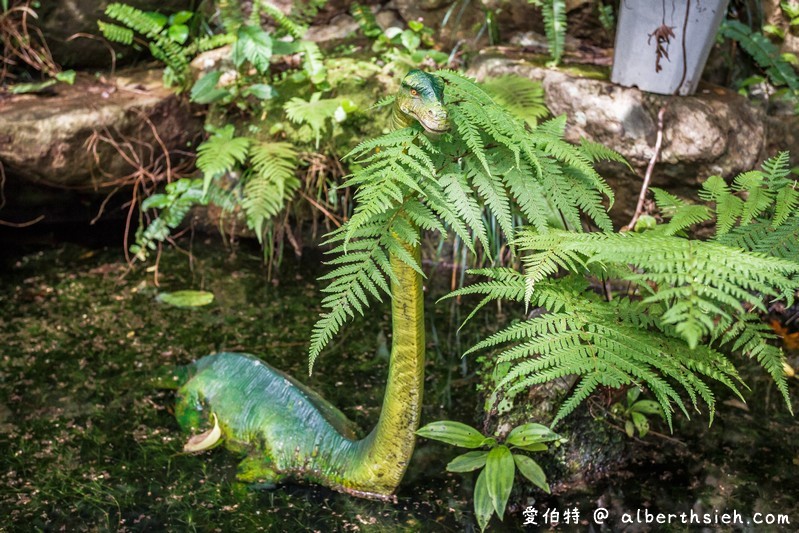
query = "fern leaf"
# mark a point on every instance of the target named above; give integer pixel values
(522, 96)
(221, 153)
(115, 33)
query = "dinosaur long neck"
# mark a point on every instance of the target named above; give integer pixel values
(385, 453)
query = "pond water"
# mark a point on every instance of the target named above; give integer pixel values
(88, 444)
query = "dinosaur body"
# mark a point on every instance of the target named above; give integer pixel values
(286, 430)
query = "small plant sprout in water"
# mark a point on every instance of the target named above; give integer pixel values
(498, 461)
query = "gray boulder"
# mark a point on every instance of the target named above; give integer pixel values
(715, 131)
(49, 138)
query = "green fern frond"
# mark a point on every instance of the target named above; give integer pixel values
(115, 33)
(490, 161)
(297, 31)
(595, 341)
(173, 205)
(314, 112)
(366, 20)
(221, 153)
(313, 62)
(762, 237)
(680, 215)
(554, 12)
(698, 279)
(764, 52)
(270, 183)
(135, 19)
(521, 96)
(210, 42)
(152, 27)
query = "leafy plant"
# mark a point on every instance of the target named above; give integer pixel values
(408, 48)
(635, 412)
(166, 37)
(765, 53)
(264, 181)
(791, 11)
(266, 168)
(688, 304)
(490, 160)
(521, 96)
(554, 13)
(173, 205)
(316, 112)
(499, 461)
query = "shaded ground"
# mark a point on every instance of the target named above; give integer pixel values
(87, 445)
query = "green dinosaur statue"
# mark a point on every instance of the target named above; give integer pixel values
(289, 432)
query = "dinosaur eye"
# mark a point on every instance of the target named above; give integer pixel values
(414, 92)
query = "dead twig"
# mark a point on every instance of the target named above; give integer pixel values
(22, 224)
(639, 208)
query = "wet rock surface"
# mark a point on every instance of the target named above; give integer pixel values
(51, 138)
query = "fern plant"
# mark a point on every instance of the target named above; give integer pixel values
(266, 168)
(765, 53)
(521, 96)
(166, 36)
(490, 160)
(554, 13)
(689, 303)
(237, 171)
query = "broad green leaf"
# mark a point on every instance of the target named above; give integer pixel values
(534, 447)
(531, 471)
(186, 298)
(629, 428)
(529, 434)
(23, 88)
(205, 90)
(410, 40)
(647, 407)
(159, 19)
(452, 432)
(468, 462)
(178, 33)
(499, 471)
(181, 17)
(156, 201)
(261, 91)
(632, 395)
(483, 506)
(641, 423)
(254, 45)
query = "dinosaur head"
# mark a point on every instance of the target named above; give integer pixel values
(421, 98)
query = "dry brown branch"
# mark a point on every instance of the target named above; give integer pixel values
(22, 224)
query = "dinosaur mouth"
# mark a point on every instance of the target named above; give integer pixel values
(434, 127)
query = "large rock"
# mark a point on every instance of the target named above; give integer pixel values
(46, 137)
(61, 19)
(715, 131)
